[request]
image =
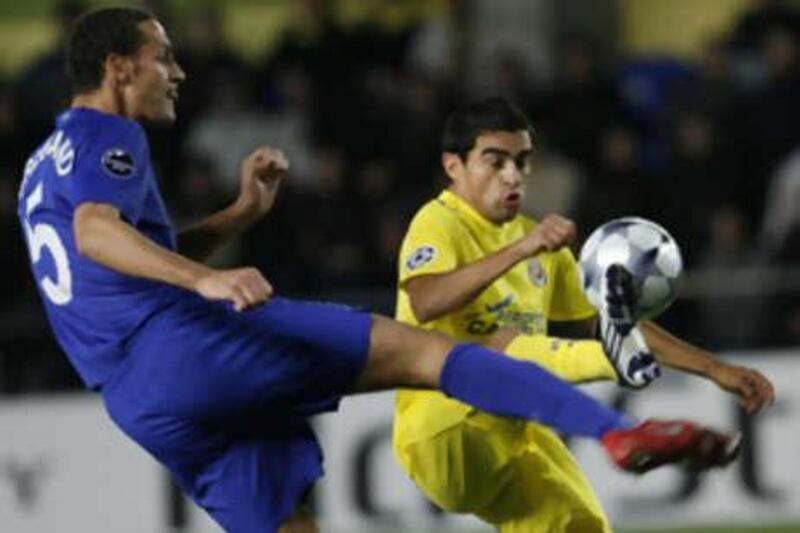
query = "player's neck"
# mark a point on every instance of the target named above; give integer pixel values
(100, 100)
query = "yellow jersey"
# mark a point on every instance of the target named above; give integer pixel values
(447, 233)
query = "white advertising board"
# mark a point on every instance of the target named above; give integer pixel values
(65, 467)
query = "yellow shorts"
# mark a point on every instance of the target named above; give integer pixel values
(518, 476)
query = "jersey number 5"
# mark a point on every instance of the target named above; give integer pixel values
(44, 236)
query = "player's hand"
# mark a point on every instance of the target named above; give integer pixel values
(551, 234)
(244, 287)
(261, 175)
(751, 387)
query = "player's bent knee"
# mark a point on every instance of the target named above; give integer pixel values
(403, 356)
(500, 339)
(301, 521)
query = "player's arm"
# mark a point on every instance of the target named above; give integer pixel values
(261, 175)
(750, 386)
(753, 390)
(103, 236)
(435, 295)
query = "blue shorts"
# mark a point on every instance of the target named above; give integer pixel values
(221, 399)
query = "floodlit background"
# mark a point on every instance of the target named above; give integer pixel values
(684, 111)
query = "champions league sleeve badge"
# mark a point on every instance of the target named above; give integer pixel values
(421, 257)
(118, 163)
(537, 273)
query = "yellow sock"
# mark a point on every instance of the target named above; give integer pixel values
(576, 361)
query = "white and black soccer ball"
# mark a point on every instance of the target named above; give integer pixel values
(645, 249)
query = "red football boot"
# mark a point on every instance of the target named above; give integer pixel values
(657, 442)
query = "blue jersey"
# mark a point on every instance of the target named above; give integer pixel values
(219, 397)
(94, 311)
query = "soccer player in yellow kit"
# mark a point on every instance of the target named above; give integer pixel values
(472, 267)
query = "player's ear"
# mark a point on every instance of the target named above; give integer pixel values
(120, 69)
(452, 164)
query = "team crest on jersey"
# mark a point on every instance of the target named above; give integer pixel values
(118, 163)
(537, 273)
(421, 257)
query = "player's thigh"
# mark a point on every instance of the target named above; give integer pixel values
(302, 355)
(548, 491)
(328, 326)
(464, 468)
(257, 484)
(403, 356)
(245, 484)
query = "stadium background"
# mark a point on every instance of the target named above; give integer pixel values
(685, 111)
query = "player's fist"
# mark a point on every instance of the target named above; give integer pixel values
(261, 175)
(551, 234)
(243, 287)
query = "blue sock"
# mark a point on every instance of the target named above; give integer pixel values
(507, 387)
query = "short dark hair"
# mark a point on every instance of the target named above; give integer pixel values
(95, 35)
(468, 122)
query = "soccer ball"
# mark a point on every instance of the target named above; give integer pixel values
(645, 249)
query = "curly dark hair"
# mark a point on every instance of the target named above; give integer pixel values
(95, 35)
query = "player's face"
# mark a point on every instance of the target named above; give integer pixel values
(492, 180)
(153, 90)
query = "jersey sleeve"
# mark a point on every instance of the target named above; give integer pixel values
(569, 301)
(112, 167)
(430, 245)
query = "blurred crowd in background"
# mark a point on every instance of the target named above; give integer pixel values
(710, 148)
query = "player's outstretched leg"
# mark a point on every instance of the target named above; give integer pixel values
(402, 356)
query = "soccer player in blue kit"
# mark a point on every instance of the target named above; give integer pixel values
(204, 368)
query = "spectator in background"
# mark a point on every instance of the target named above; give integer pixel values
(730, 314)
(782, 211)
(15, 260)
(205, 53)
(617, 186)
(433, 46)
(328, 233)
(558, 182)
(410, 144)
(513, 80)
(780, 241)
(43, 87)
(699, 160)
(233, 124)
(649, 87)
(582, 105)
(715, 91)
(320, 45)
(11, 143)
(762, 19)
(198, 189)
(769, 118)
(384, 210)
